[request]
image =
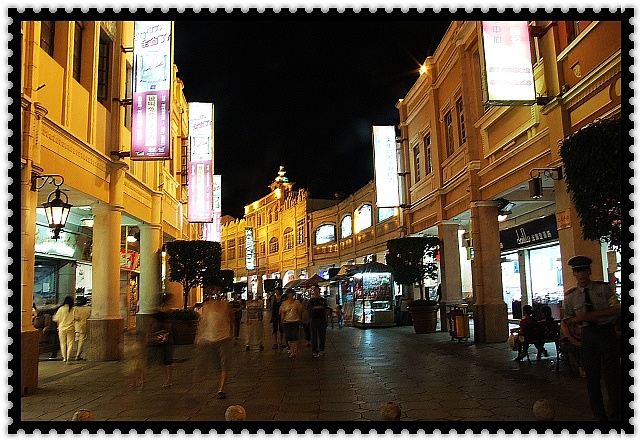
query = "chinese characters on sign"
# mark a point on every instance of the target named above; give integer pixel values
(507, 62)
(385, 159)
(249, 249)
(201, 190)
(152, 85)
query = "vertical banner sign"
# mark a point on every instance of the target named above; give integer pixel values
(249, 249)
(508, 66)
(216, 224)
(385, 160)
(200, 184)
(152, 85)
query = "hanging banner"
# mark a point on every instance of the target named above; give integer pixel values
(152, 85)
(385, 161)
(507, 64)
(200, 169)
(216, 223)
(249, 248)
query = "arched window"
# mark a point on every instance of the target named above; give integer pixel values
(288, 238)
(274, 245)
(362, 218)
(346, 226)
(386, 213)
(325, 234)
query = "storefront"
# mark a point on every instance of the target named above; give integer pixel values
(532, 266)
(373, 296)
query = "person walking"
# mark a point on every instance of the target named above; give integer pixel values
(161, 352)
(82, 312)
(237, 308)
(593, 306)
(291, 311)
(64, 316)
(319, 310)
(254, 320)
(274, 304)
(305, 322)
(214, 339)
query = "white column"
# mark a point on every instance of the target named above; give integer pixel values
(450, 267)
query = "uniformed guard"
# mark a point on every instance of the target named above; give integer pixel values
(593, 307)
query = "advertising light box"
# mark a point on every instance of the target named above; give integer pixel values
(385, 160)
(152, 85)
(249, 248)
(201, 188)
(507, 63)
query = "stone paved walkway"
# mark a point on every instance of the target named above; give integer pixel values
(431, 377)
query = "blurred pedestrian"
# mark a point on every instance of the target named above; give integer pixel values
(319, 311)
(82, 312)
(214, 340)
(339, 312)
(160, 343)
(305, 322)
(237, 309)
(291, 310)
(254, 320)
(593, 307)
(274, 305)
(64, 316)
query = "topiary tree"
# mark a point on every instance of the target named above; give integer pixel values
(190, 261)
(223, 279)
(593, 166)
(406, 258)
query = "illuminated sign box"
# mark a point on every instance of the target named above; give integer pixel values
(385, 161)
(249, 248)
(151, 133)
(507, 63)
(201, 185)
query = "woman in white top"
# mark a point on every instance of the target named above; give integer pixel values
(64, 316)
(291, 311)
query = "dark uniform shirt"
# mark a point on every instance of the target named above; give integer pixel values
(602, 297)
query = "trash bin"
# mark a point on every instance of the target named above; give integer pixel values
(517, 309)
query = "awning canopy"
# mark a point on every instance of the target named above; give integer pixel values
(344, 272)
(293, 284)
(314, 280)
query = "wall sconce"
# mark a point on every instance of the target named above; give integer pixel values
(535, 183)
(56, 210)
(504, 208)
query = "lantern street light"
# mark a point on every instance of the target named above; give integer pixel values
(56, 210)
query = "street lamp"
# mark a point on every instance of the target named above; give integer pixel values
(535, 183)
(56, 210)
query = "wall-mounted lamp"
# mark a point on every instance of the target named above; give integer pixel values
(535, 183)
(504, 208)
(132, 233)
(56, 210)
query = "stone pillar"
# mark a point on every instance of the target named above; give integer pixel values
(450, 268)
(105, 327)
(29, 352)
(150, 275)
(490, 311)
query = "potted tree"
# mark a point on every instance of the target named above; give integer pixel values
(406, 258)
(190, 262)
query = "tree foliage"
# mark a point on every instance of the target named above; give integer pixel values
(223, 279)
(406, 258)
(593, 165)
(190, 262)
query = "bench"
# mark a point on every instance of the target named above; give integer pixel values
(539, 334)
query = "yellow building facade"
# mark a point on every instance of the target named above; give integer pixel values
(464, 159)
(76, 90)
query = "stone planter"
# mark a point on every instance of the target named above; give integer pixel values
(184, 331)
(424, 319)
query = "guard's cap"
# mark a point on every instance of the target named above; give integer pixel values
(580, 262)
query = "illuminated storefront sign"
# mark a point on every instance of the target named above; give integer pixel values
(385, 159)
(249, 248)
(201, 189)
(152, 85)
(508, 67)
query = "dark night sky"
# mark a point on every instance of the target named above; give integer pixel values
(302, 94)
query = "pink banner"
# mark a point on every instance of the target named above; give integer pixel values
(199, 204)
(150, 125)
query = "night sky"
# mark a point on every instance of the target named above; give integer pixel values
(302, 94)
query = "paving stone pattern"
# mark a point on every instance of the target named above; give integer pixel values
(431, 377)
